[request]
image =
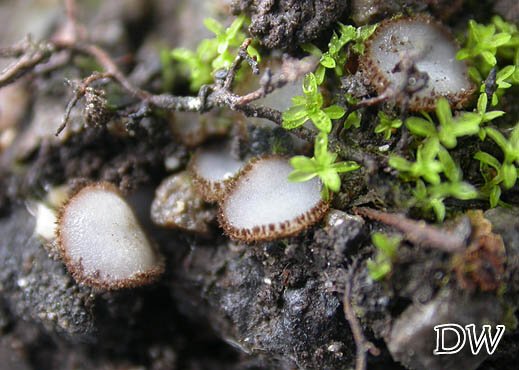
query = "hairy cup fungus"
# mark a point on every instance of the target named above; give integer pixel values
(262, 204)
(213, 168)
(177, 205)
(398, 43)
(102, 243)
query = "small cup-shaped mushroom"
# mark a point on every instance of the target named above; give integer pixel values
(213, 168)
(177, 205)
(263, 205)
(102, 243)
(399, 43)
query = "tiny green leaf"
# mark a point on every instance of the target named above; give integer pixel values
(353, 120)
(450, 168)
(331, 179)
(487, 159)
(347, 166)
(509, 175)
(327, 61)
(420, 127)
(321, 120)
(213, 26)
(303, 163)
(399, 163)
(334, 111)
(495, 195)
(377, 271)
(300, 176)
(312, 50)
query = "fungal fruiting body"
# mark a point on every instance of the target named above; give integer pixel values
(102, 243)
(177, 205)
(425, 42)
(45, 227)
(46, 213)
(263, 205)
(213, 168)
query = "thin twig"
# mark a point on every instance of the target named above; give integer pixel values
(362, 345)
(16, 50)
(240, 57)
(417, 232)
(110, 67)
(33, 55)
(291, 70)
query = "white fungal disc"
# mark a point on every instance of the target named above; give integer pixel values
(213, 169)
(102, 243)
(263, 205)
(431, 47)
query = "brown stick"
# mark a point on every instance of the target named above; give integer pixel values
(362, 345)
(32, 56)
(417, 232)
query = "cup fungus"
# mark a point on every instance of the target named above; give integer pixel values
(45, 212)
(102, 243)
(213, 168)
(177, 205)
(262, 204)
(429, 45)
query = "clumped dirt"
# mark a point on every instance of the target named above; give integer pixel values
(287, 23)
(221, 304)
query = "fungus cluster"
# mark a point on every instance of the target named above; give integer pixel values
(102, 243)
(256, 201)
(421, 42)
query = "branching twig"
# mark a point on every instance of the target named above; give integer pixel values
(291, 70)
(109, 67)
(30, 55)
(219, 94)
(240, 57)
(417, 232)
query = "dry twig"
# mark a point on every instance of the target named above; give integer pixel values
(219, 94)
(418, 232)
(29, 56)
(363, 346)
